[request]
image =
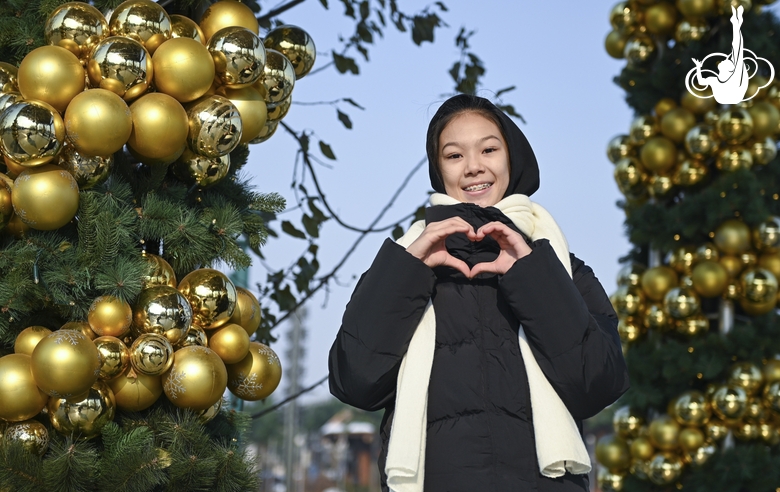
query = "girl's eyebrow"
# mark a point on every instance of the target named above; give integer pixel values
(478, 141)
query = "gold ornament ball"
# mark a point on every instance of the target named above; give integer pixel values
(692, 325)
(608, 481)
(690, 172)
(759, 285)
(664, 468)
(690, 439)
(83, 419)
(630, 175)
(296, 45)
(640, 50)
(732, 159)
(699, 105)
(725, 5)
(627, 422)
(756, 412)
(196, 169)
(142, 20)
(278, 78)
(196, 380)
(75, 26)
(657, 281)
(696, 8)
(160, 125)
(9, 81)
(771, 396)
(732, 237)
(28, 338)
(45, 197)
(120, 65)
(771, 371)
(114, 357)
(655, 318)
(710, 278)
(691, 30)
(612, 452)
(691, 409)
(676, 123)
(110, 316)
(765, 117)
(682, 302)
(135, 391)
(615, 44)
(631, 275)
(701, 141)
(620, 147)
(87, 171)
(257, 375)
(9, 98)
(31, 133)
(163, 310)
(247, 313)
(682, 259)
(766, 236)
(215, 126)
(239, 56)
(663, 432)
(658, 154)
(212, 296)
(207, 415)
(16, 227)
(195, 336)
(628, 301)
(267, 132)
(624, 16)
(663, 106)
(80, 326)
(32, 434)
(769, 434)
(252, 109)
(6, 202)
(184, 27)
(279, 110)
(732, 264)
(642, 128)
(701, 455)
(162, 161)
(716, 430)
(151, 354)
(630, 329)
(746, 431)
(98, 122)
(642, 448)
(227, 13)
(230, 343)
(52, 75)
(183, 69)
(747, 376)
(729, 402)
(160, 272)
(65, 364)
(20, 398)
(661, 18)
(757, 308)
(763, 151)
(735, 125)
(707, 252)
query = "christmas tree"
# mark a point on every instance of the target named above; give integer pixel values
(697, 296)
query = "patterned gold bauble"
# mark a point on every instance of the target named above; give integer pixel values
(160, 125)
(114, 357)
(45, 197)
(196, 380)
(247, 313)
(676, 124)
(239, 56)
(215, 126)
(612, 452)
(682, 302)
(747, 376)
(160, 272)
(279, 110)
(212, 296)
(110, 316)
(663, 431)
(196, 169)
(183, 69)
(87, 171)
(763, 151)
(230, 343)
(151, 354)
(661, 18)
(83, 419)
(642, 128)
(766, 236)
(252, 109)
(75, 26)
(771, 371)
(52, 75)
(690, 172)
(732, 159)
(658, 154)
(627, 422)
(65, 364)
(267, 132)
(135, 391)
(729, 402)
(257, 375)
(759, 285)
(709, 278)
(615, 44)
(98, 122)
(163, 310)
(20, 398)
(227, 13)
(620, 147)
(195, 336)
(31, 133)
(9, 81)
(756, 412)
(691, 409)
(735, 125)
(28, 338)
(296, 45)
(696, 8)
(732, 237)
(630, 175)
(701, 141)
(630, 329)
(769, 434)
(628, 301)
(766, 118)
(32, 434)
(142, 20)
(691, 30)
(184, 27)
(655, 318)
(692, 325)
(608, 481)
(122, 66)
(207, 415)
(82, 327)
(690, 439)
(642, 449)
(657, 281)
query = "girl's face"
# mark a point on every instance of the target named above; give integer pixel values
(474, 160)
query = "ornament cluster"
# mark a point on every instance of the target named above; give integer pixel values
(173, 91)
(187, 340)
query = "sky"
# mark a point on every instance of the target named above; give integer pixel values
(552, 52)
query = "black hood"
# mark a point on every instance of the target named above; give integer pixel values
(524, 171)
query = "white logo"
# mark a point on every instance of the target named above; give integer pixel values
(730, 84)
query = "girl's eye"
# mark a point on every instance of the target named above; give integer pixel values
(489, 150)
(452, 156)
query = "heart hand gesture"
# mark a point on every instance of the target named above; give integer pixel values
(513, 247)
(430, 248)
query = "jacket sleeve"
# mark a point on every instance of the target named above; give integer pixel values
(571, 329)
(377, 326)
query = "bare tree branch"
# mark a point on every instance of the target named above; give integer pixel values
(288, 399)
(279, 10)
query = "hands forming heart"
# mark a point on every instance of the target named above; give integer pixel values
(430, 247)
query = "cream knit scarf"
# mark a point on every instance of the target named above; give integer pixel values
(559, 446)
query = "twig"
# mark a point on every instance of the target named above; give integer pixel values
(289, 399)
(279, 10)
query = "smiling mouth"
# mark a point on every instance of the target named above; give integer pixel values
(478, 187)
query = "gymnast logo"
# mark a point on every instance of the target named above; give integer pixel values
(735, 70)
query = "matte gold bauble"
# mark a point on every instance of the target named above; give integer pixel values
(763, 151)
(641, 448)
(135, 391)
(642, 128)
(279, 110)
(630, 175)
(20, 398)
(732, 264)
(52, 75)
(230, 343)
(267, 132)
(28, 338)
(212, 296)
(16, 227)
(726, 5)
(657, 281)
(732, 159)
(162, 161)
(615, 44)
(663, 106)
(765, 117)
(247, 313)
(608, 481)
(769, 434)
(65, 364)
(682, 302)
(690, 439)
(6, 202)
(710, 278)
(620, 147)
(747, 376)
(9, 81)
(692, 325)
(183, 69)
(82, 327)
(207, 415)
(756, 412)
(612, 452)
(766, 236)
(690, 172)
(196, 380)
(729, 402)
(160, 272)
(31, 434)
(85, 418)
(628, 301)
(257, 375)
(215, 126)
(296, 45)
(676, 123)
(696, 8)
(75, 26)
(114, 357)
(732, 237)
(701, 141)
(252, 109)
(196, 169)
(227, 13)
(87, 171)
(184, 27)
(661, 18)
(759, 285)
(627, 422)
(771, 371)
(663, 432)
(658, 154)
(691, 409)
(160, 125)
(151, 354)
(163, 310)
(735, 125)
(45, 197)
(110, 316)
(98, 122)
(142, 20)
(31, 133)
(195, 336)
(630, 329)
(239, 56)
(700, 105)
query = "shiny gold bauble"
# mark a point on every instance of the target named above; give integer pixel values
(142, 20)
(114, 357)
(628, 301)
(691, 409)
(52, 75)
(759, 285)
(608, 481)
(110, 316)
(151, 354)
(746, 431)
(757, 308)
(732, 291)
(163, 310)
(631, 275)
(771, 396)
(195, 336)
(630, 175)
(661, 18)
(642, 448)
(20, 398)
(45, 197)
(732, 237)
(710, 278)
(196, 169)
(267, 132)
(701, 141)
(98, 122)
(624, 16)
(212, 296)
(135, 391)
(257, 375)
(13, 169)
(696, 8)
(771, 371)
(196, 380)
(688, 30)
(184, 27)
(657, 281)
(87, 171)
(83, 419)
(681, 302)
(627, 422)
(735, 125)
(28, 338)
(9, 98)
(766, 236)
(9, 81)
(160, 125)
(612, 452)
(756, 412)
(690, 172)
(75, 26)
(664, 468)
(729, 402)
(769, 434)
(692, 325)
(252, 109)
(655, 318)
(765, 117)
(31, 434)
(160, 272)
(642, 128)
(230, 343)
(207, 415)
(676, 123)
(658, 154)
(247, 313)
(707, 251)
(227, 13)
(630, 329)
(663, 432)
(296, 45)
(620, 147)
(31, 133)
(65, 364)
(82, 327)
(732, 159)
(183, 69)
(278, 78)
(279, 110)
(215, 126)
(716, 430)
(690, 439)
(239, 56)
(681, 259)
(615, 44)
(763, 151)
(747, 376)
